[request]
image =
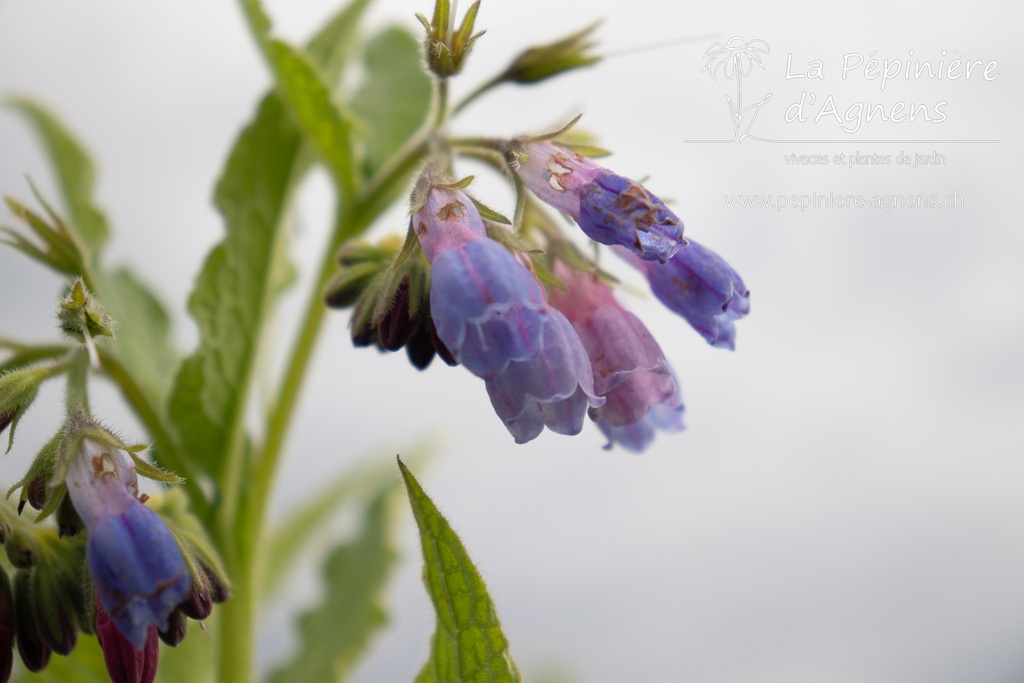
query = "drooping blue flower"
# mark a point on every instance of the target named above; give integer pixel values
(490, 313)
(137, 568)
(551, 389)
(699, 285)
(609, 208)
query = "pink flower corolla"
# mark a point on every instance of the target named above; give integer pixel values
(490, 313)
(630, 369)
(137, 568)
(609, 208)
(700, 286)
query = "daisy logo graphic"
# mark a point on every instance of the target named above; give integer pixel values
(736, 59)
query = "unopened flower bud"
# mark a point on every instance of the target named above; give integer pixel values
(34, 652)
(22, 548)
(420, 347)
(544, 61)
(397, 327)
(6, 627)
(7, 417)
(36, 492)
(197, 605)
(446, 48)
(126, 663)
(177, 627)
(68, 521)
(220, 589)
(54, 609)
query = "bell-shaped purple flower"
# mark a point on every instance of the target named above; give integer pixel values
(136, 565)
(490, 313)
(629, 367)
(609, 208)
(551, 389)
(699, 285)
(636, 437)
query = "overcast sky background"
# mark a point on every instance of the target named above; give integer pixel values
(846, 503)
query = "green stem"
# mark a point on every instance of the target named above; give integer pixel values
(167, 449)
(77, 399)
(471, 97)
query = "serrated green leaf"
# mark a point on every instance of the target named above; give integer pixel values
(304, 88)
(331, 47)
(336, 632)
(395, 97)
(84, 665)
(144, 342)
(267, 160)
(468, 643)
(75, 173)
(234, 291)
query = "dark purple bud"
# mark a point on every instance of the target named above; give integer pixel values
(7, 417)
(36, 492)
(442, 351)
(396, 327)
(220, 590)
(6, 627)
(197, 604)
(34, 652)
(177, 626)
(68, 521)
(420, 348)
(124, 663)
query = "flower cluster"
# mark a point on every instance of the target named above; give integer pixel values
(541, 326)
(132, 582)
(491, 314)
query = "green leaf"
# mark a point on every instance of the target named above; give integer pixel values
(236, 286)
(468, 644)
(144, 342)
(84, 665)
(332, 46)
(75, 173)
(333, 634)
(304, 87)
(395, 97)
(234, 291)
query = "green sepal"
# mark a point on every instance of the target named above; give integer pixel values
(489, 214)
(144, 468)
(196, 546)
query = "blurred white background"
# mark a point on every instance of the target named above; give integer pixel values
(846, 503)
